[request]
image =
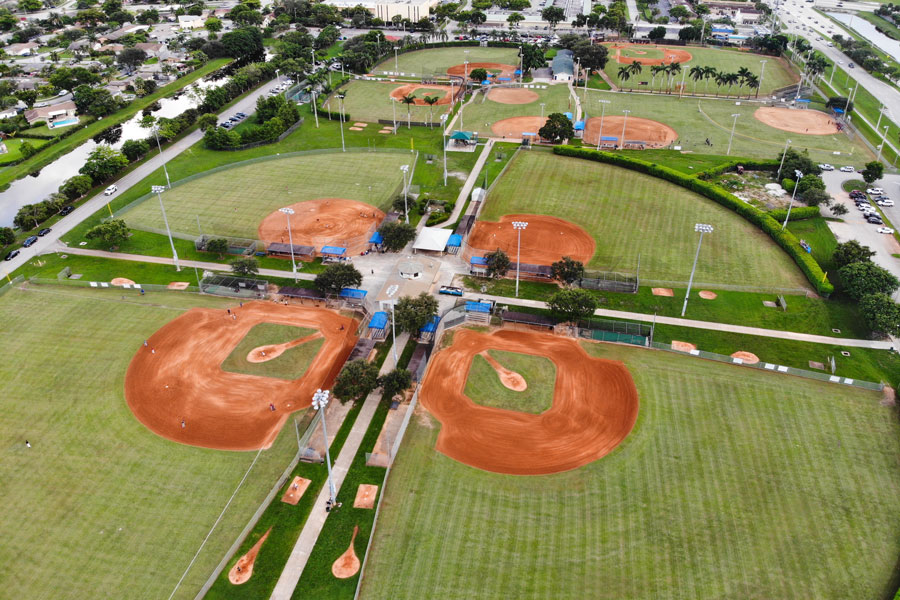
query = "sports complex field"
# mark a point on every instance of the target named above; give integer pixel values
(97, 486)
(735, 483)
(235, 200)
(435, 61)
(370, 101)
(482, 112)
(628, 213)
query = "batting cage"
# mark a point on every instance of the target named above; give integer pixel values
(235, 287)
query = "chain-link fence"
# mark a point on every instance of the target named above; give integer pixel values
(610, 281)
(10, 283)
(609, 330)
(234, 287)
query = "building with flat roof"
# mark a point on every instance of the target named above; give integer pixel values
(387, 9)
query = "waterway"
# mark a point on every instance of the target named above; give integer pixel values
(869, 33)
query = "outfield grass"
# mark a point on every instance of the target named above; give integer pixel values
(234, 202)
(632, 214)
(777, 73)
(437, 60)
(735, 483)
(483, 386)
(371, 100)
(96, 485)
(695, 121)
(291, 364)
(481, 113)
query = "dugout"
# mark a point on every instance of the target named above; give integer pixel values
(528, 319)
(454, 243)
(529, 271)
(376, 241)
(332, 254)
(478, 265)
(301, 294)
(353, 296)
(465, 224)
(378, 325)
(279, 250)
(235, 287)
(426, 333)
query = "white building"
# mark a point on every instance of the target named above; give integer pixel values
(386, 10)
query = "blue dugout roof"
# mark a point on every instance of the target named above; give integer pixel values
(482, 307)
(478, 260)
(379, 320)
(579, 125)
(335, 250)
(431, 325)
(455, 240)
(352, 293)
(376, 238)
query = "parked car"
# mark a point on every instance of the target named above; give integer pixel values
(29, 242)
(848, 169)
(826, 167)
(851, 65)
(887, 202)
(242, 115)
(857, 194)
(451, 290)
(879, 230)
(227, 125)
(875, 191)
(44, 231)
(110, 190)
(66, 210)
(12, 254)
(875, 220)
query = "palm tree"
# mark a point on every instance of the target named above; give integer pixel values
(731, 79)
(408, 100)
(753, 84)
(636, 68)
(696, 75)
(656, 70)
(673, 69)
(743, 74)
(430, 101)
(708, 73)
(624, 74)
(721, 79)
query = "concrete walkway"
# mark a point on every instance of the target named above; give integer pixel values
(469, 185)
(293, 569)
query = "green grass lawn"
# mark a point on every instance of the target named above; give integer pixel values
(483, 385)
(734, 483)
(696, 120)
(45, 131)
(629, 214)
(437, 60)
(233, 202)
(14, 145)
(96, 485)
(370, 100)
(483, 112)
(777, 73)
(291, 364)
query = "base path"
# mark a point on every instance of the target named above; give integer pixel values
(176, 387)
(512, 96)
(515, 127)
(324, 222)
(653, 133)
(544, 241)
(500, 69)
(796, 120)
(595, 406)
(405, 90)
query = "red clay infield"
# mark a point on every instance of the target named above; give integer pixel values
(544, 241)
(811, 122)
(324, 222)
(406, 90)
(670, 55)
(595, 406)
(178, 376)
(499, 68)
(653, 133)
(514, 127)
(512, 96)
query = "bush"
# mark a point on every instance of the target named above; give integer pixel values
(787, 240)
(436, 217)
(798, 213)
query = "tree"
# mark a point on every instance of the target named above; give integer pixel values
(567, 270)
(245, 43)
(497, 263)
(395, 236)
(797, 161)
(557, 128)
(430, 101)
(592, 57)
(839, 210)
(658, 33)
(65, 78)
(134, 149)
(131, 57)
(27, 149)
(244, 266)
(218, 246)
(213, 24)
(533, 57)
(29, 97)
(103, 162)
(394, 383)
(356, 380)
(408, 100)
(840, 102)
(882, 314)
(680, 12)
(30, 5)
(478, 75)
(113, 232)
(514, 19)
(7, 236)
(816, 196)
(573, 305)
(207, 121)
(851, 252)
(810, 181)
(76, 187)
(553, 15)
(864, 278)
(144, 87)
(873, 172)
(412, 314)
(336, 277)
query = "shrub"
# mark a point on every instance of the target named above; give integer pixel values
(798, 213)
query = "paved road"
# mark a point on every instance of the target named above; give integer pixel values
(48, 243)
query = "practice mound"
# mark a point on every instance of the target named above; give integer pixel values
(670, 55)
(178, 375)
(662, 292)
(178, 285)
(296, 490)
(347, 564)
(264, 353)
(121, 281)
(795, 120)
(544, 241)
(653, 133)
(500, 69)
(683, 346)
(365, 495)
(406, 90)
(595, 405)
(747, 357)
(325, 222)
(243, 568)
(514, 127)
(512, 96)
(707, 295)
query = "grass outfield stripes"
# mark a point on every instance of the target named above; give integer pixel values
(438, 60)
(631, 214)
(479, 116)
(734, 483)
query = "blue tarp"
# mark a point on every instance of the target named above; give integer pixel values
(518, 72)
(455, 240)
(579, 125)
(431, 325)
(376, 238)
(379, 320)
(569, 115)
(482, 307)
(486, 82)
(478, 260)
(804, 100)
(609, 138)
(333, 250)
(352, 293)
(839, 111)
(504, 79)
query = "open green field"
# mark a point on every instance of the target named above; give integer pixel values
(99, 502)
(234, 201)
(481, 112)
(777, 73)
(735, 483)
(290, 364)
(483, 385)
(371, 100)
(14, 145)
(631, 214)
(437, 60)
(696, 120)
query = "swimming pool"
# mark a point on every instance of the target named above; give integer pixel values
(55, 124)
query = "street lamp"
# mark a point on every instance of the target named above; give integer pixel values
(798, 176)
(341, 115)
(158, 190)
(394, 331)
(603, 104)
(444, 137)
(405, 169)
(518, 226)
(762, 72)
(883, 142)
(313, 94)
(701, 228)
(165, 170)
(396, 60)
(319, 402)
(625, 122)
(783, 156)
(288, 211)
(733, 125)
(394, 108)
(543, 104)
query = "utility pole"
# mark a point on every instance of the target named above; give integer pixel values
(701, 228)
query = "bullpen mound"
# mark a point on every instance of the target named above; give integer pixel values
(512, 96)
(595, 405)
(325, 222)
(545, 241)
(795, 120)
(653, 133)
(670, 55)
(444, 92)
(178, 376)
(498, 68)
(514, 127)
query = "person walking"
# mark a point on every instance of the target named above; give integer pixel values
(27, 444)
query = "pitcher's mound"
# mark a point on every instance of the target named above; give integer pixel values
(663, 292)
(707, 295)
(748, 358)
(512, 96)
(806, 121)
(296, 490)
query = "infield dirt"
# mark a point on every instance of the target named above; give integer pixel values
(653, 133)
(324, 222)
(405, 90)
(512, 96)
(794, 120)
(545, 241)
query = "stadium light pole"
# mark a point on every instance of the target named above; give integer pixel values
(783, 156)
(444, 137)
(394, 332)
(158, 190)
(798, 176)
(394, 107)
(625, 122)
(288, 211)
(883, 142)
(701, 228)
(396, 59)
(543, 104)
(405, 169)
(762, 72)
(518, 226)
(733, 125)
(165, 170)
(315, 112)
(603, 104)
(341, 98)
(319, 402)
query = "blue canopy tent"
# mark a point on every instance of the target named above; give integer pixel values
(376, 238)
(837, 110)
(332, 251)
(478, 265)
(378, 325)
(486, 82)
(504, 79)
(353, 293)
(517, 72)
(431, 325)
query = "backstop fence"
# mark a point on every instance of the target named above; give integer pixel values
(10, 283)
(609, 330)
(234, 287)
(610, 281)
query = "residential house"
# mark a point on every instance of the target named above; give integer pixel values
(117, 86)
(121, 32)
(563, 66)
(25, 49)
(113, 48)
(51, 114)
(154, 50)
(190, 22)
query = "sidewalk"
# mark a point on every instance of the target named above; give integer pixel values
(469, 185)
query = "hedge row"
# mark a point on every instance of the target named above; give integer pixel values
(787, 240)
(749, 164)
(798, 214)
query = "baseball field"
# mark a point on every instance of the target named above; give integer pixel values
(437, 60)
(369, 101)
(488, 115)
(735, 483)
(97, 485)
(630, 214)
